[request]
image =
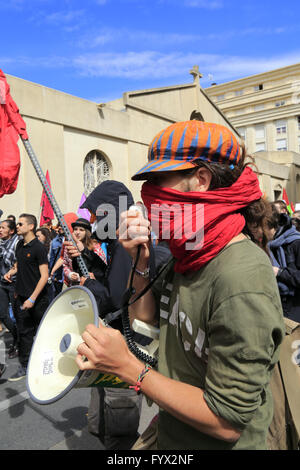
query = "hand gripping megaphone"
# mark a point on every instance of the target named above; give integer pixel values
(52, 370)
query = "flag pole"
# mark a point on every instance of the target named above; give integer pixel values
(53, 203)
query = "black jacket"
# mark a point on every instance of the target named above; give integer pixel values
(111, 280)
(291, 277)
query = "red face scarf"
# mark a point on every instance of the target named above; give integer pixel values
(198, 225)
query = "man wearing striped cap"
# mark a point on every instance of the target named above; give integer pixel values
(217, 306)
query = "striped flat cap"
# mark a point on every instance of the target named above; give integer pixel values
(180, 145)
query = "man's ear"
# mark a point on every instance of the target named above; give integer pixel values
(204, 177)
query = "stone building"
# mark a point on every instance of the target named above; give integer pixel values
(265, 110)
(82, 143)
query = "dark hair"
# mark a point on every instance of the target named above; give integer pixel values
(11, 225)
(46, 232)
(258, 213)
(261, 215)
(31, 219)
(12, 217)
(88, 241)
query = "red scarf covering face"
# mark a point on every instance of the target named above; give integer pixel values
(198, 225)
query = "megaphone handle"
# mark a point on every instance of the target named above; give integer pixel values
(53, 203)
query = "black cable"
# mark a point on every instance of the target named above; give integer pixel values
(127, 331)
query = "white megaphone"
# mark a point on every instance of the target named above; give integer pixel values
(52, 370)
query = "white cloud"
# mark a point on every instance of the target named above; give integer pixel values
(208, 4)
(148, 39)
(111, 35)
(6, 61)
(152, 65)
(60, 17)
(155, 65)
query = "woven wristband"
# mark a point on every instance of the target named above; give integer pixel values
(137, 386)
(30, 300)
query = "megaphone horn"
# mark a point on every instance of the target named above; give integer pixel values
(52, 371)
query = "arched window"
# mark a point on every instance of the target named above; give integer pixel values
(297, 188)
(277, 192)
(95, 171)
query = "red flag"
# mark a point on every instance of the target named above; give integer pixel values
(285, 197)
(11, 127)
(289, 205)
(47, 211)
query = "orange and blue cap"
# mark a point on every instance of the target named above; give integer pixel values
(180, 145)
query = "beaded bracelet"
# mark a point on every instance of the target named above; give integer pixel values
(137, 386)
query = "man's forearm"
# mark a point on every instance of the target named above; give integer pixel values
(144, 308)
(57, 265)
(39, 287)
(14, 269)
(185, 402)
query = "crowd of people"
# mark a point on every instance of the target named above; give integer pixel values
(38, 262)
(220, 306)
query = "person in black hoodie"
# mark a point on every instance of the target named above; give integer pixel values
(110, 282)
(284, 252)
(113, 413)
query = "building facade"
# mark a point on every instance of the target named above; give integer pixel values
(265, 110)
(82, 143)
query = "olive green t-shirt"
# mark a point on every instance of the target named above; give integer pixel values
(220, 329)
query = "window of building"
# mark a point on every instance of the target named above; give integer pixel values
(281, 127)
(242, 132)
(277, 194)
(260, 147)
(239, 92)
(279, 103)
(95, 171)
(259, 107)
(220, 97)
(281, 144)
(260, 132)
(240, 111)
(259, 87)
(298, 123)
(298, 187)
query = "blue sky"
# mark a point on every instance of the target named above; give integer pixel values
(97, 49)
